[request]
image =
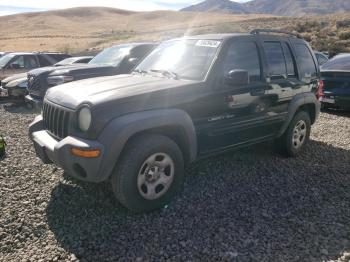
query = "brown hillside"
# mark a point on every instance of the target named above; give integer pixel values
(80, 29)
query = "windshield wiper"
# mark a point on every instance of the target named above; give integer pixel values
(168, 73)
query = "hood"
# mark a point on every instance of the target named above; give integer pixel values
(106, 89)
(14, 77)
(77, 70)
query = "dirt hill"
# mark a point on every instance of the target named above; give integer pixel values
(81, 29)
(78, 29)
(276, 7)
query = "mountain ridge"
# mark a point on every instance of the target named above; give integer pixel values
(275, 7)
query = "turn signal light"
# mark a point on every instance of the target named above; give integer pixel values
(85, 153)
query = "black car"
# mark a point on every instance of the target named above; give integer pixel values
(119, 59)
(335, 76)
(190, 98)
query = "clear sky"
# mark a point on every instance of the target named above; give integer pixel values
(19, 6)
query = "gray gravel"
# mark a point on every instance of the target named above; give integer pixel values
(250, 205)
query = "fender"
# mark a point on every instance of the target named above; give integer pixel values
(298, 101)
(118, 131)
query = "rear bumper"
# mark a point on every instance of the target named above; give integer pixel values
(50, 150)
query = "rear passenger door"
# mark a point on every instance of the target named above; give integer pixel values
(281, 74)
(307, 67)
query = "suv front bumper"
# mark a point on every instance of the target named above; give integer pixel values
(51, 150)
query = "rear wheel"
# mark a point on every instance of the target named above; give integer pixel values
(149, 173)
(293, 141)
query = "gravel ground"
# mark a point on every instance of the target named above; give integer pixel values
(250, 205)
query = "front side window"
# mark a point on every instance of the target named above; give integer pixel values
(17, 62)
(306, 61)
(243, 56)
(184, 58)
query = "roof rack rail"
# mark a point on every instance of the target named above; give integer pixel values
(258, 31)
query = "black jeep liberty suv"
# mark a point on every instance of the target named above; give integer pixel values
(190, 98)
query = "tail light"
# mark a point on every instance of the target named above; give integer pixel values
(319, 92)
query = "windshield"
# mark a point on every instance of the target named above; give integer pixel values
(5, 59)
(187, 59)
(111, 56)
(339, 62)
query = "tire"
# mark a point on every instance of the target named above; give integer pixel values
(298, 130)
(141, 186)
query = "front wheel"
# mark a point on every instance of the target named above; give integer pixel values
(293, 141)
(149, 173)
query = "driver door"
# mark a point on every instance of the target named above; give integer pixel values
(238, 112)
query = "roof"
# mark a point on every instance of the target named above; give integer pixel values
(216, 36)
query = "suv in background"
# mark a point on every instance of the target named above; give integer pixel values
(190, 98)
(15, 63)
(119, 59)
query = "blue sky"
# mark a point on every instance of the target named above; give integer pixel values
(19, 6)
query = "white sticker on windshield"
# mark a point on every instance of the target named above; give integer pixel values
(208, 43)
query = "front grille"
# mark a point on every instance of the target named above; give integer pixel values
(56, 119)
(33, 82)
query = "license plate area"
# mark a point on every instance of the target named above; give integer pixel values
(329, 100)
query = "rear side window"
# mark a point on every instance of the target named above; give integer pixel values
(244, 56)
(43, 61)
(289, 60)
(306, 62)
(275, 59)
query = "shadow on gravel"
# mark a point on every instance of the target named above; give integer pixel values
(250, 205)
(18, 107)
(337, 112)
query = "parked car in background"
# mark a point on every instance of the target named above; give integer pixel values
(335, 76)
(321, 57)
(15, 63)
(119, 59)
(74, 60)
(190, 98)
(16, 86)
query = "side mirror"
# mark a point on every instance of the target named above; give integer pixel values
(134, 61)
(15, 66)
(237, 77)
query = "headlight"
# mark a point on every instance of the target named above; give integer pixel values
(84, 119)
(57, 80)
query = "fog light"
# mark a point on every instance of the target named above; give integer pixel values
(86, 153)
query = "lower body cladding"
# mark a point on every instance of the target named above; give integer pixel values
(64, 153)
